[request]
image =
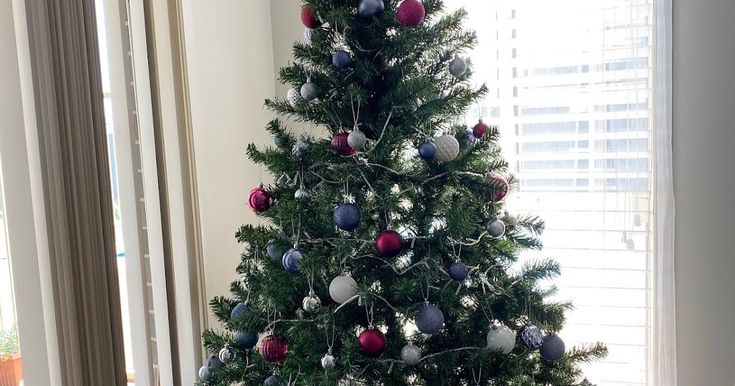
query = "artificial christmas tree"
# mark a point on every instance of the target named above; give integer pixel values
(388, 259)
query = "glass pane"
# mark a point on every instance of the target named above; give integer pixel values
(11, 368)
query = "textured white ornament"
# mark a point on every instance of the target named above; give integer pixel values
(329, 361)
(458, 67)
(294, 98)
(309, 91)
(342, 289)
(311, 303)
(501, 338)
(447, 148)
(357, 139)
(411, 354)
(225, 355)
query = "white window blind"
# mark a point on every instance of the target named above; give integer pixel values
(571, 89)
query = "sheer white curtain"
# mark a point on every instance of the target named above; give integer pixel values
(580, 92)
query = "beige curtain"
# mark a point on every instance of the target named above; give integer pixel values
(72, 136)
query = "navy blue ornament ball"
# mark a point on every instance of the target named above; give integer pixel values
(427, 151)
(347, 217)
(430, 319)
(274, 380)
(532, 337)
(240, 310)
(553, 348)
(370, 8)
(459, 271)
(341, 59)
(275, 251)
(245, 340)
(292, 260)
(214, 363)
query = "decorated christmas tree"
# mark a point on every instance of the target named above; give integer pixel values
(389, 258)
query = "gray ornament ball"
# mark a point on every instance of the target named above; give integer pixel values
(302, 194)
(357, 140)
(274, 380)
(294, 98)
(430, 319)
(299, 148)
(496, 228)
(329, 361)
(309, 91)
(225, 355)
(553, 348)
(214, 363)
(411, 354)
(532, 337)
(205, 374)
(447, 148)
(311, 303)
(458, 67)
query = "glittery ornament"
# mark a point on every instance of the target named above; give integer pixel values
(246, 340)
(299, 148)
(273, 348)
(447, 148)
(496, 228)
(373, 342)
(430, 319)
(553, 348)
(295, 99)
(341, 59)
(292, 261)
(480, 129)
(342, 289)
(260, 200)
(389, 243)
(347, 217)
(309, 17)
(411, 354)
(309, 91)
(357, 139)
(459, 271)
(457, 67)
(410, 13)
(532, 337)
(311, 303)
(501, 338)
(239, 312)
(427, 151)
(340, 145)
(370, 8)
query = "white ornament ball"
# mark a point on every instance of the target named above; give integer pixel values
(458, 67)
(225, 355)
(411, 354)
(294, 98)
(329, 361)
(501, 338)
(309, 91)
(311, 303)
(205, 373)
(447, 148)
(342, 289)
(357, 140)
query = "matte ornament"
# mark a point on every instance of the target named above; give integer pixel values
(430, 319)
(239, 312)
(295, 99)
(389, 243)
(309, 91)
(501, 338)
(273, 348)
(480, 129)
(278, 140)
(347, 217)
(311, 303)
(499, 186)
(532, 337)
(496, 228)
(357, 140)
(411, 354)
(205, 374)
(447, 148)
(225, 355)
(274, 380)
(341, 59)
(459, 271)
(373, 342)
(340, 145)
(214, 363)
(370, 8)
(329, 361)
(275, 251)
(553, 348)
(260, 200)
(457, 67)
(309, 17)
(427, 151)
(342, 289)
(411, 13)
(246, 340)
(292, 261)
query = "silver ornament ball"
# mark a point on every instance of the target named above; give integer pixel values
(329, 361)
(294, 98)
(308, 35)
(411, 354)
(302, 194)
(357, 140)
(496, 228)
(225, 355)
(205, 373)
(311, 303)
(309, 91)
(299, 148)
(447, 148)
(458, 67)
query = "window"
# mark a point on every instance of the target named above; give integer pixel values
(584, 164)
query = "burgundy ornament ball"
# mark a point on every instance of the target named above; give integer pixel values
(260, 200)
(340, 145)
(309, 17)
(373, 342)
(389, 243)
(273, 348)
(411, 13)
(480, 129)
(500, 187)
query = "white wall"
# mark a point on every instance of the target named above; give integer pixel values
(229, 46)
(704, 172)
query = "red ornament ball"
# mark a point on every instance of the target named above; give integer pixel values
(373, 342)
(389, 243)
(500, 187)
(340, 145)
(411, 13)
(260, 200)
(309, 17)
(273, 348)
(480, 129)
